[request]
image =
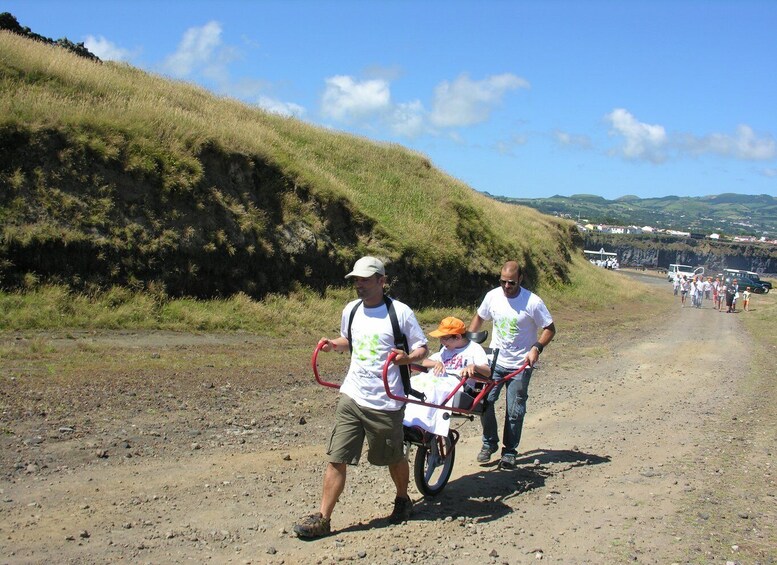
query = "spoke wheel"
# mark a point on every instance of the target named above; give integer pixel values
(434, 464)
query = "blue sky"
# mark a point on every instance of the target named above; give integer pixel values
(521, 99)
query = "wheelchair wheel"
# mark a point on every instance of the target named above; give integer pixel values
(434, 464)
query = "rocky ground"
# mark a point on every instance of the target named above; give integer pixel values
(650, 441)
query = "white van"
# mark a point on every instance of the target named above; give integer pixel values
(677, 271)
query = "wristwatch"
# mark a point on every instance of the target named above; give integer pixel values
(539, 347)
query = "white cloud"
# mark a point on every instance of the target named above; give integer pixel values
(198, 49)
(280, 107)
(408, 119)
(572, 140)
(106, 50)
(346, 99)
(507, 147)
(640, 140)
(201, 53)
(465, 102)
(368, 103)
(744, 144)
(652, 143)
(769, 172)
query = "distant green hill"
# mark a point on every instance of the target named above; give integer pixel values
(730, 214)
(112, 176)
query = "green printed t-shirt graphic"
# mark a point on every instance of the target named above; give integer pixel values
(367, 348)
(507, 329)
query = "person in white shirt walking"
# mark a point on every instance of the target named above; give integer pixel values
(518, 315)
(364, 410)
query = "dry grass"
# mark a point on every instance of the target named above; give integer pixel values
(590, 291)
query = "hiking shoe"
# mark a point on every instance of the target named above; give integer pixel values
(403, 509)
(507, 461)
(485, 454)
(313, 526)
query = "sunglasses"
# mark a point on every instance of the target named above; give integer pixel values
(507, 283)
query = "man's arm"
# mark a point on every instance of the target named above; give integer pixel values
(476, 323)
(415, 357)
(545, 338)
(548, 332)
(338, 344)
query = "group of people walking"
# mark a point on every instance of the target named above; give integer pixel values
(522, 328)
(722, 292)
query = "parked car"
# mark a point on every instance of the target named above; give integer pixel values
(747, 278)
(677, 271)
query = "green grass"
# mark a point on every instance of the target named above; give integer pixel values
(58, 308)
(760, 320)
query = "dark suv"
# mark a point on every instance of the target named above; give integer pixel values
(747, 278)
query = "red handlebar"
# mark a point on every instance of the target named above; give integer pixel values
(443, 406)
(314, 363)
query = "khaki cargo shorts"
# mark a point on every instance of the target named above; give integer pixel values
(383, 430)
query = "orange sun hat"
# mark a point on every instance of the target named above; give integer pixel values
(449, 326)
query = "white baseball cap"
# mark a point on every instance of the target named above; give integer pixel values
(366, 267)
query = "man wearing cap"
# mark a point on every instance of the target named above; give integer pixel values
(518, 315)
(364, 409)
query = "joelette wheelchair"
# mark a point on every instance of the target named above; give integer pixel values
(435, 453)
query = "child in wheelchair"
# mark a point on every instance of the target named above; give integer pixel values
(458, 357)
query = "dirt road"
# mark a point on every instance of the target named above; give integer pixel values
(647, 443)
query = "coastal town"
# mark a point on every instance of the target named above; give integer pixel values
(637, 230)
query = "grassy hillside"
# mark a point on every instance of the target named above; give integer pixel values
(111, 176)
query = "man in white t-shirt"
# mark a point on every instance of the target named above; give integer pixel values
(364, 410)
(685, 288)
(518, 315)
(694, 291)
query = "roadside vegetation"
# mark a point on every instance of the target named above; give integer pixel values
(57, 308)
(760, 320)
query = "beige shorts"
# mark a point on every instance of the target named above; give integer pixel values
(383, 430)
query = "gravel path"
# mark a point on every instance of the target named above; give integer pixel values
(651, 443)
